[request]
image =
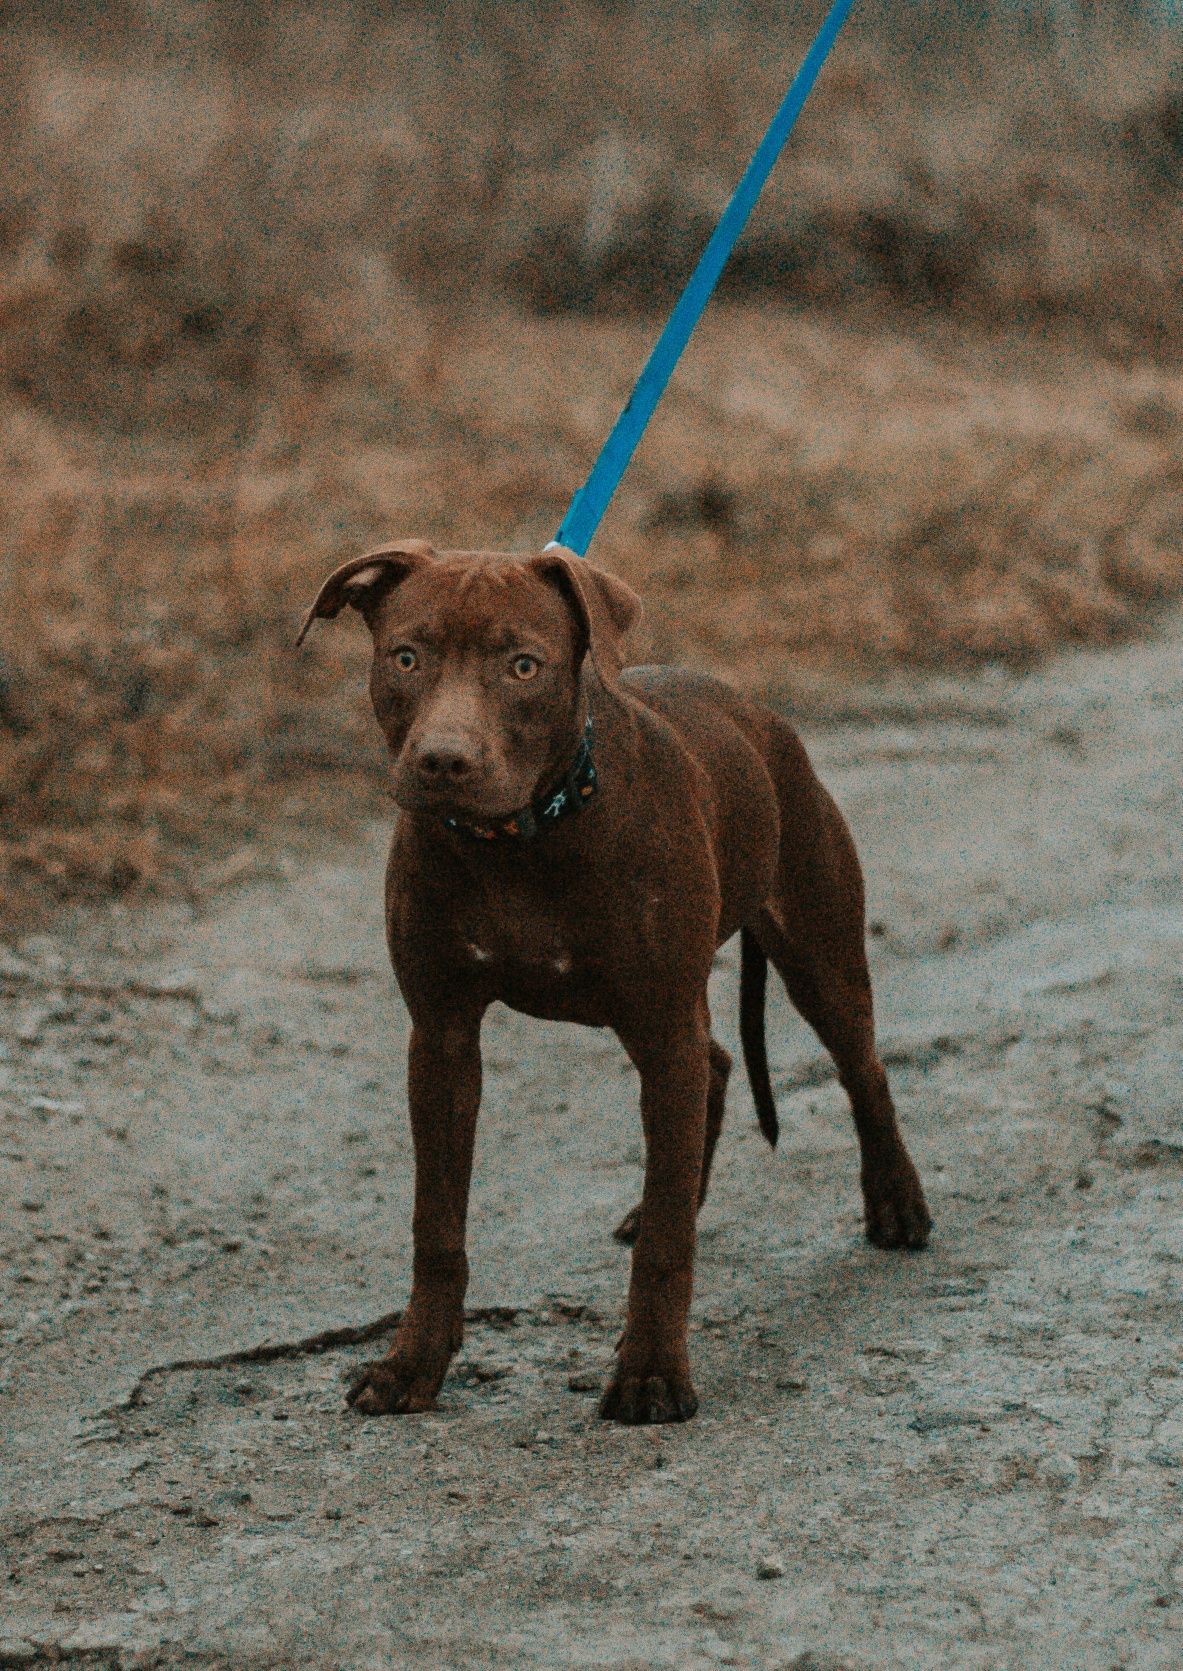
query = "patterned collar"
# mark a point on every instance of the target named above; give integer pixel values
(568, 797)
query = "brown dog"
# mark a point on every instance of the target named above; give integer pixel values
(497, 682)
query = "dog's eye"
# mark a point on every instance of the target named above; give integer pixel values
(405, 659)
(524, 667)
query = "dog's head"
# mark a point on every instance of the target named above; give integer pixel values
(478, 679)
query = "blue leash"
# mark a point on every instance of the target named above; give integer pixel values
(591, 501)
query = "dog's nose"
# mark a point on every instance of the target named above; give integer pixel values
(444, 760)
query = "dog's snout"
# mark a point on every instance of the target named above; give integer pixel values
(444, 760)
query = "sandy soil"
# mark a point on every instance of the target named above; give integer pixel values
(967, 1458)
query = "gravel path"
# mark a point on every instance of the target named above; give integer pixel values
(968, 1458)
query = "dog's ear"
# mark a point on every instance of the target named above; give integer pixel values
(365, 581)
(604, 607)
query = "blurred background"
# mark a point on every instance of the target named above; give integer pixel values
(276, 282)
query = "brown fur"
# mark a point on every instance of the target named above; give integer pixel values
(709, 821)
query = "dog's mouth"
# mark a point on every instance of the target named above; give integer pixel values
(443, 802)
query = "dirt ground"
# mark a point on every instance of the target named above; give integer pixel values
(968, 1458)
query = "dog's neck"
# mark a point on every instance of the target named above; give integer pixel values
(565, 797)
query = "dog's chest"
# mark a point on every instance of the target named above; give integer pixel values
(531, 960)
(516, 945)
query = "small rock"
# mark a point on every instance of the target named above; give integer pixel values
(938, 1421)
(240, 866)
(1165, 1459)
(907, 1351)
(770, 1566)
(1109, 1098)
(51, 1105)
(12, 967)
(1070, 976)
(474, 1374)
(30, 1024)
(1059, 1469)
(273, 1505)
(957, 1288)
(43, 949)
(584, 1381)
(333, 974)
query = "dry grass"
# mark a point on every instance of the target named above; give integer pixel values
(269, 292)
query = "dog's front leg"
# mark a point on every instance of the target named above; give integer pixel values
(652, 1381)
(444, 1088)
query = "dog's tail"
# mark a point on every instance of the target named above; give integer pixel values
(753, 979)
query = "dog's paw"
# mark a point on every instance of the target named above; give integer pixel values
(387, 1387)
(629, 1227)
(897, 1213)
(638, 1399)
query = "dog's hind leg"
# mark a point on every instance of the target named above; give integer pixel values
(812, 931)
(629, 1227)
(840, 1014)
